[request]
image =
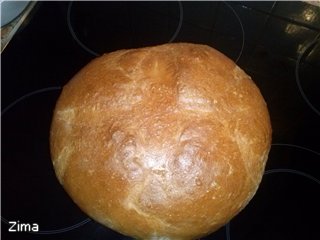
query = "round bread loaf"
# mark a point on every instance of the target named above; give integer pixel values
(164, 142)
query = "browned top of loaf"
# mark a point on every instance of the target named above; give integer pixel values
(165, 141)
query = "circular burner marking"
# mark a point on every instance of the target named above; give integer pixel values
(42, 90)
(95, 53)
(4, 111)
(285, 170)
(303, 94)
(242, 29)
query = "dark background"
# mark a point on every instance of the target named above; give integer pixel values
(276, 43)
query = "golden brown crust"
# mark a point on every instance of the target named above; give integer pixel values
(165, 142)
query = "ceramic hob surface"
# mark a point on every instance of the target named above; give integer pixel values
(276, 43)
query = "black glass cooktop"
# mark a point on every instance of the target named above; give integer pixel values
(277, 43)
